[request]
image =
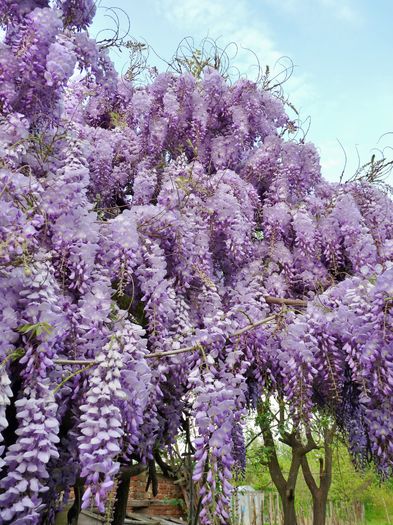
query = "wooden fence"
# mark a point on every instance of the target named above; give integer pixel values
(264, 508)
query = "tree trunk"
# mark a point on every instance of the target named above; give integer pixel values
(120, 510)
(73, 513)
(123, 488)
(285, 487)
(319, 509)
(288, 507)
(320, 492)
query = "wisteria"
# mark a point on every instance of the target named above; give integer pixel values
(168, 251)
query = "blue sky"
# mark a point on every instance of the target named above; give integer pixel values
(342, 50)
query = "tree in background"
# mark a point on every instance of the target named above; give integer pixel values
(170, 250)
(319, 486)
(318, 435)
(350, 486)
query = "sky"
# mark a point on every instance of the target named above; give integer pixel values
(341, 51)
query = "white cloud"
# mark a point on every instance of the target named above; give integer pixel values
(332, 160)
(235, 21)
(230, 20)
(343, 10)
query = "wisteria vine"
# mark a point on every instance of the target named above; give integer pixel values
(170, 249)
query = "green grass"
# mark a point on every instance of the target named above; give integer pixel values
(379, 514)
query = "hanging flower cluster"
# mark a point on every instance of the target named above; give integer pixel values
(168, 250)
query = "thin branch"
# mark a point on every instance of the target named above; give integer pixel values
(308, 476)
(281, 300)
(128, 471)
(311, 445)
(345, 160)
(254, 438)
(269, 300)
(252, 326)
(193, 348)
(84, 369)
(75, 361)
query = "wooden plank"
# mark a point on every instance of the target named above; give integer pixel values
(139, 502)
(272, 518)
(141, 519)
(129, 521)
(258, 508)
(176, 520)
(87, 518)
(167, 520)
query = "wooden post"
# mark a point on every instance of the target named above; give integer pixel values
(263, 508)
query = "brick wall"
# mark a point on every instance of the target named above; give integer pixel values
(143, 502)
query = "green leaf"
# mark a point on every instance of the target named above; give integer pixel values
(35, 329)
(26, 328)
(13, 356)
(258, 235)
